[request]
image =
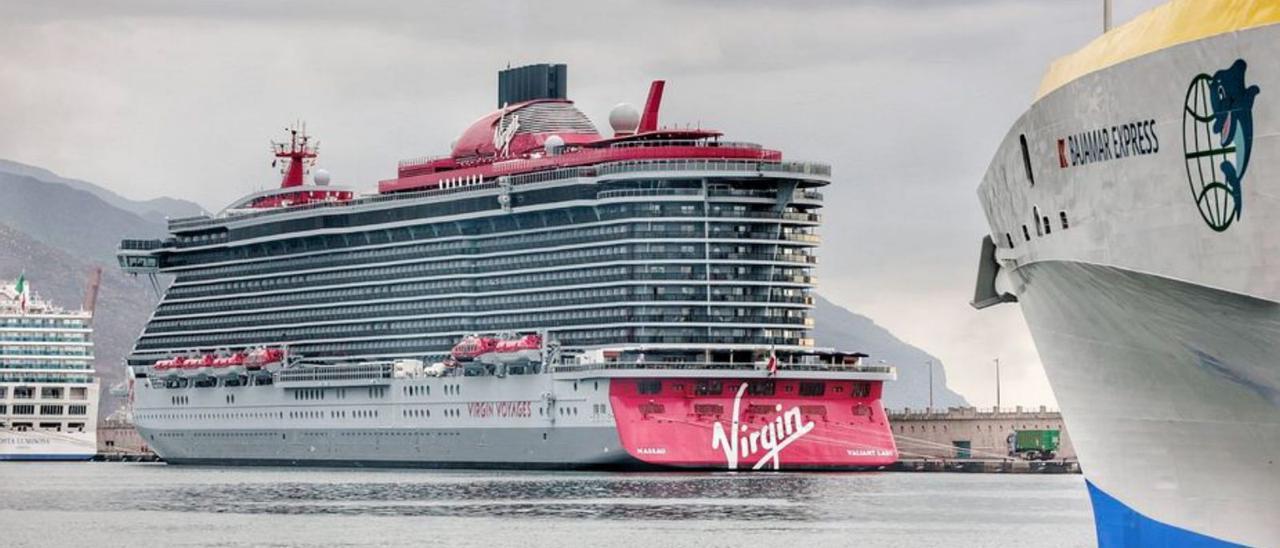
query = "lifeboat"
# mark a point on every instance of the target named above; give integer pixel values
(524, 349)
(264, 358)
(472, 347)
(231, 365)
(197, 365)
(170, 367)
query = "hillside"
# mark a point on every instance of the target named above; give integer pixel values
(154, 210)
(74, 221)
(835, 326)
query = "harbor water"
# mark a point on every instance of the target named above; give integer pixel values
(119, 504)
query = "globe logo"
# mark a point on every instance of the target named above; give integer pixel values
(1217, 138)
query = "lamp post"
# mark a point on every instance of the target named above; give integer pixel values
(997, 385)
(930, 362)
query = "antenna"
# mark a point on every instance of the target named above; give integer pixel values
(300, 153)
(1106, 16)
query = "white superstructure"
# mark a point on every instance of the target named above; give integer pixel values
(48, 393)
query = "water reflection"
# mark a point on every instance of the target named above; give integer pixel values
(660, 497)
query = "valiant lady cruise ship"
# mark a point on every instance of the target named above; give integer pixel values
(544, 296)
(1134, 215)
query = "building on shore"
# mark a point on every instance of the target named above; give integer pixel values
(117, 437)
(971, 433)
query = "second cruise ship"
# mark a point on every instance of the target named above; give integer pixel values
(1133, 212)
(542, 296)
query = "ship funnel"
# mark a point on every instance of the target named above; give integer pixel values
(649, 122)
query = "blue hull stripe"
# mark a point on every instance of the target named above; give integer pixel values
(48, 456)
(1119, 525)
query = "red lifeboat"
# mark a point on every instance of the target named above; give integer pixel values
(196, 365)
(472, 347)
(231, 364)
(523, 349)
(263, 357)
(169, 366)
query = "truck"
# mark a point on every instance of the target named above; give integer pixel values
(1034, 444)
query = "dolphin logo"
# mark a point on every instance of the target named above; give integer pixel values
(1232, 104)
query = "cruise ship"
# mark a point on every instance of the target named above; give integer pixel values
(48, 393)
(544, 296)
(1133, 215)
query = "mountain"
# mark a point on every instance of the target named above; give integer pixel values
(154, 210)
(838, 327)
(75, 221)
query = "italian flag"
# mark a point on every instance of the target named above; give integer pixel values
(24, 291)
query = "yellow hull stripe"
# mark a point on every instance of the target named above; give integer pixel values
(1177, 22)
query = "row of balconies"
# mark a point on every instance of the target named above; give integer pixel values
(353, 276)
(408, 253)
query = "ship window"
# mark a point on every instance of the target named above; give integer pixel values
(1063, 215)
(1026, 159)
(1025, 234)
(708, 388)
(1035, 212)
(649, 387)
(861, 389)
(812, 388)
(1009, 237)
(761, 388)
(1047, 229)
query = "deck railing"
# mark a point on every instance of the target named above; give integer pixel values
(611, 168)
(717, 366)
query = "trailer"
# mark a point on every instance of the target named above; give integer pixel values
(1034, 444)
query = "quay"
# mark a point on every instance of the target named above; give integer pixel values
(968, 439)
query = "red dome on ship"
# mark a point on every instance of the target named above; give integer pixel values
(530, 124)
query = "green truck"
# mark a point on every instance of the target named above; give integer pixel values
(1034, 444)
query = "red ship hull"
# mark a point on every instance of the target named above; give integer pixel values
(741, 424)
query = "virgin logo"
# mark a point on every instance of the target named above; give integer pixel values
(738, 443)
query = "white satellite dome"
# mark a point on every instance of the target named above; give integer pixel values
(553, 144)
(624, 119)
(320, 177)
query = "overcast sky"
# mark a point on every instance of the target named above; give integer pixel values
(907, 101)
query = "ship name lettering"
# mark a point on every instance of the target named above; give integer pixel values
(502, 409)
